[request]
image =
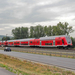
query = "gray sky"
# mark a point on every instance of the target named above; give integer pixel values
(26, 13)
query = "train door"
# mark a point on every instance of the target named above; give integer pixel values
(31, 42)
(40, 43)
(37, 42)
(53, 42)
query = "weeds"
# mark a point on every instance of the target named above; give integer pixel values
(30, 68)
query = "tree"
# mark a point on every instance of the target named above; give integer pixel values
(39, 31)
(64, 28)
(31, 32)
(24, 32)
(20, 33)
(45, 30)
(49, 31)
(5, 38)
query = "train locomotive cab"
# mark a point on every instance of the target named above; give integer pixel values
(63, 42)
(34, 42)
(69, 41)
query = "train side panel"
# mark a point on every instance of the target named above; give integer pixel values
(47, 43)
(32, 42)
(5, 43)
(10, 43)
(36, 42)
(17, 43)
(24, 43)
(51, 41)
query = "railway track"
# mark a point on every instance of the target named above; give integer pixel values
(46, 51)
(43, 49)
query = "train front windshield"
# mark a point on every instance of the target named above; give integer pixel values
(68, 40)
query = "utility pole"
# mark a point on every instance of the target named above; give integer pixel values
(6, 39)
(2, 42)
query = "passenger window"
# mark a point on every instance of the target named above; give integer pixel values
(31, 42)
(48, 43)
(17, 42)
(62, 41)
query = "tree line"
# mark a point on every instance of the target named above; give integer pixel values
(41, 31)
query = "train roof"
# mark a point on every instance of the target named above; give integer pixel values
(52, 37)
(10, 40)
(26, 39)
(20, 40)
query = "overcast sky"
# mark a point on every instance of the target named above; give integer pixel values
(26, 13)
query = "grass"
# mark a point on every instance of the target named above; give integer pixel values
(23, 67)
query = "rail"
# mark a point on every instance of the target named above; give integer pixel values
(50, 53)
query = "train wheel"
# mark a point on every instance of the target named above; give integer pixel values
(66, 47)
(63, 47)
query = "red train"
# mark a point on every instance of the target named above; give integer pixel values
(51, 41)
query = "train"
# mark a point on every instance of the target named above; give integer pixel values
(61, 41)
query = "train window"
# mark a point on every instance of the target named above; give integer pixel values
(6, 43)
(24, 44)
(15, 42)
(18, 42)
(30, 41)
(62, 41)
(48, 43)
(37, 41)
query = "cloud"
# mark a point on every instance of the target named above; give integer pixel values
(25, 11)
(15, 13)
(21, 11)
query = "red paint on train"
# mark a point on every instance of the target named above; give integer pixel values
(51, 41)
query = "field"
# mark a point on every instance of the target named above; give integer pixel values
(23, 67)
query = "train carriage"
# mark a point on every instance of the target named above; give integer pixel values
(35, 42)
(47, 41)
(56, 41)
(63, 41)
(11, 42)
(17, 43)
(25, 42)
